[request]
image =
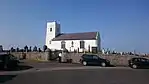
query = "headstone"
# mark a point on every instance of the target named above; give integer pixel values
(47, 54)
(103, 51)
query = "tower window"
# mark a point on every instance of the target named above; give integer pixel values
(50, 29)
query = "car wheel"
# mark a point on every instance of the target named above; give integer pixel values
(134, 66)
(84, 63)
(103, 64)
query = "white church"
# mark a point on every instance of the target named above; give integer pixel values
(85, 41)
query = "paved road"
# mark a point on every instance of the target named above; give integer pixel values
(84, 75)
(49, 64)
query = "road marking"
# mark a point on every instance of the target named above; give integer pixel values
(60, 68)
(79, 68)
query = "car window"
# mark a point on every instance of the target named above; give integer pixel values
(144, 60)
(139, 59)
(95, 57)
(136, 60)
(88, 56)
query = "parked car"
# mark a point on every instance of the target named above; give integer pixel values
(87, 59)
(8, 61)
(138, 63)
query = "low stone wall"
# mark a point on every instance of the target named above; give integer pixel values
(118, 59)
(18, 54)
(114, 59)
(32, 55)
(74, 56)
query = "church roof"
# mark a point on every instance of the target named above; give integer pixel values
(76, 36)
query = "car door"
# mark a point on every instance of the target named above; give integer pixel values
(137, 62)
(91, 59)
(2, 61)
(88, 59)
(96, 60)
(142, 62)
(145, 62)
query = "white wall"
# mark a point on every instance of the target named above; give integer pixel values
(57, 44)
(99, 41)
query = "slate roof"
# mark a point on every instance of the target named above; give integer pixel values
(76, 36)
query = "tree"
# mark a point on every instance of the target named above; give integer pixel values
(30, 48)
(12, 49)
(1, 48)
(44, 48)
(35, 48)
(39, 50)
(26, 48)
(17, 49)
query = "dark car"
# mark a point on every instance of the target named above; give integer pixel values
(8, 61)
(138, 63)
(87, 59)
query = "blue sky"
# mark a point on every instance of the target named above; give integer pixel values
(123, 24)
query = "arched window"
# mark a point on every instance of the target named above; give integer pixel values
(63, 44)
(89, 48)
(72, 44)
(82, 44)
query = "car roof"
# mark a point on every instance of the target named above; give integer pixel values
(89, 55)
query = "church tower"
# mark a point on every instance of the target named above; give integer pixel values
(53, 29)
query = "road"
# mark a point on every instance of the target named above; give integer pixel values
(78, 75)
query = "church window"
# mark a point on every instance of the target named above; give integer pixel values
(63, 44)
(82, 44)
(72, 43)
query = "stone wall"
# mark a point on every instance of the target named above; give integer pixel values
(114, 59)
(74, 56)
(32, 55)
(117, 59)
